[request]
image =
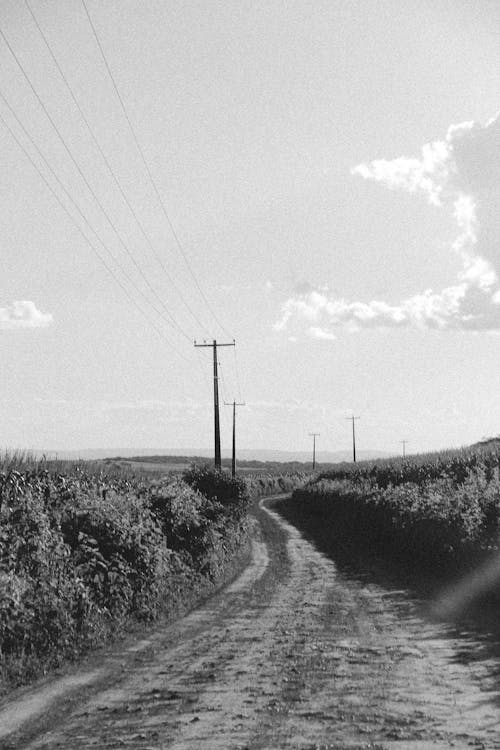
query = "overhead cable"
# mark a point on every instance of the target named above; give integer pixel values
(149, 173)
(77, 207)
(108, 165)
(174, 323)
(103, 260)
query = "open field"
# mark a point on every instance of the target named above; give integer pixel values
(169, 463)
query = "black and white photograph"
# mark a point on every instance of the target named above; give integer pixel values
(250, 374)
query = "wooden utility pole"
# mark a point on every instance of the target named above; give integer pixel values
(314, 435)
(217, 456)
(404, 442)
(353, 418)
(234, 404)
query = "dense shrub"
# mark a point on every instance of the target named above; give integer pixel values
(454, 464)
(446, 512)
(273, 484)
(82, 553)
(180, 510)
(218, 486)
(119, 552)
(193, 524)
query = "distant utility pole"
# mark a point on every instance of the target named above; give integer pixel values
(353, 418)
(214, 345)
(404, 442)
(233, 462)
(314, 435)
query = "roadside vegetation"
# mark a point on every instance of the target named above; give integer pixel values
(88, 549)
(439, 509)
(83, 553)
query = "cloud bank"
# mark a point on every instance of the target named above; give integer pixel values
(23, 314)
(462, 173)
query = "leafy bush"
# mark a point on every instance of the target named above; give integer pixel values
(119, 552)
(445, 513)
(273, 484)
(180, 511)
(82, 553)
(231, 492)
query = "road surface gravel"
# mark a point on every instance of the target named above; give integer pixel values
(295, 653)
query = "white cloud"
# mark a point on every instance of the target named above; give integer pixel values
(23, 314)
(427, 175)
(321, 333)
(461, 172)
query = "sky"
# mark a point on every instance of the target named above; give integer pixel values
(318, 180)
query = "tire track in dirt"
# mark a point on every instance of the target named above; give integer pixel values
(293, 654)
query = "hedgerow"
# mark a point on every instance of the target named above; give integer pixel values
(229, 492)
(274, 484)
(444, 511)
(82, 555)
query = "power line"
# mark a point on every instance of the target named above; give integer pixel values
(87, 239)
(107, 163)
(148, 171)
(65, 209)
(73, 202)
(174, 323)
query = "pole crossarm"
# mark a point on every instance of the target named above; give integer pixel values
(214, 343)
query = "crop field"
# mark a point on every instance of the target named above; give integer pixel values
(434, 509)
(179, 464)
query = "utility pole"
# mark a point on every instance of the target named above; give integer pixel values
(404, 442)
(214, 345)
(353, 418)
(314, 435)
(233, 462)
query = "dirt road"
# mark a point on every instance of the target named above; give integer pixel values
(294, 654)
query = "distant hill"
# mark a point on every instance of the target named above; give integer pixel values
(253, 455)
(323, 457)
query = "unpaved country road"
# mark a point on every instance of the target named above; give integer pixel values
(293, 654)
